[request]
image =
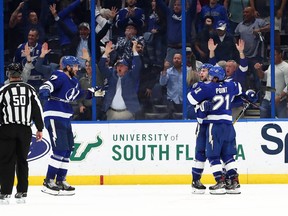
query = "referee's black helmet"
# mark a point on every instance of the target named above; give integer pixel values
(14, 70)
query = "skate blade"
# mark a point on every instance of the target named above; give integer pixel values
(236, 191)
(4, 202)
(20, 200)
(66, 193)
(197, 191)
(49, 191)
(218, 192)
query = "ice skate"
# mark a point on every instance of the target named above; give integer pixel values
(198, 187)
(50, 187)
(20, 197)
(4, 199)
(233, 187)
(65, 188)
(218, 188)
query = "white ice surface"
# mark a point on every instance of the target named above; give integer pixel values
(152, 200)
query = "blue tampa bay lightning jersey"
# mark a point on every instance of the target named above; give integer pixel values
(200, 115)
(221, 94)
(62, 88)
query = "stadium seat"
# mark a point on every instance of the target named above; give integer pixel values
(156, 116)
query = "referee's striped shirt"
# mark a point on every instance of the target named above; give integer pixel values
(19, 104)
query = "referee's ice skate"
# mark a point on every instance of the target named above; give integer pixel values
(4, 199)
(20, 197)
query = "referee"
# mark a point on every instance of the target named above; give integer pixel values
(19, 107)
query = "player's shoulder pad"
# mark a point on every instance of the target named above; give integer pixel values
(57, 74)
(207, 82)
(53, 77)
(195, 85)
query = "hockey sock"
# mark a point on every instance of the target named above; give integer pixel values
(54, 165)
(230, 166)
(197, 170)
(216, 166)
(62, 171)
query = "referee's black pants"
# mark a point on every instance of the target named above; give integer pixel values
(14, 148)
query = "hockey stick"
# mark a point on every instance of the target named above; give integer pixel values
(253, 104)
(268, 88)
(247, 104)
(98, 93)
(60, 99)
(242, 112)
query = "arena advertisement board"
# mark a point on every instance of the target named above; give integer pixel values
(111, 149)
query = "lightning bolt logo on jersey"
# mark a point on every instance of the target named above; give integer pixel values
(63, 87)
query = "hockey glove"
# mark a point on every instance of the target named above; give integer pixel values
(206, 106)
(44, 94)
(251, 95)
(96, 91)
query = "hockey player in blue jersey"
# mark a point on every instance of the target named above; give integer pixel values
(200, 156)
(61, 89)
(219, 145)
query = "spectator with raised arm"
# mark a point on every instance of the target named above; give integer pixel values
(225, 41)
(36, 77)
(67, 15)
(124, 45)
(262, 10)
(16, 30)
(233, 7)
(31, 19)
(214, 9)
(121, 100)
(81, 39)
(172, 78)
(174, 26)
(156, 26)
(234, 72)
(249, 31)
(41, 65)
(281, 81)
(128, 15)
(201, 42)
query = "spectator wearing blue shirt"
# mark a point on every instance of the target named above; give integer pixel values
(36, 77)
(67, 16)
(214, 9)
(174, 26)
(172, 78)
(129, 14)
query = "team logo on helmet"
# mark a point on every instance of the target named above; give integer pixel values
(217, 71)
(206, 66)
(69, 61)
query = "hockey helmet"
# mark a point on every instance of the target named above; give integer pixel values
(206, 66)
(69, 60)
(217, 71)
(14, 70)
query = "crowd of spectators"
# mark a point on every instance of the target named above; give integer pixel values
(139, 47)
